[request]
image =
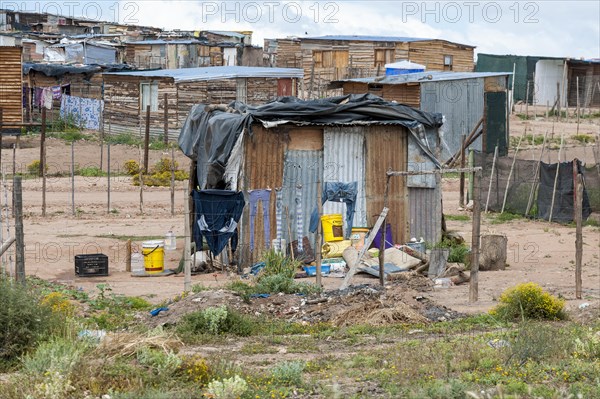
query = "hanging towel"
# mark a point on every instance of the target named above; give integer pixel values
(47, 98)
(56, 92)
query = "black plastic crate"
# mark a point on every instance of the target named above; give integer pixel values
(91, 265)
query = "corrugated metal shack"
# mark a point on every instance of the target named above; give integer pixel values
(11, 86)
(462, 97)
(298, 150)
(329, 58)
(544, 74)
(126, 94)
(172, 54)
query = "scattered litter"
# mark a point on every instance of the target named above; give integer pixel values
(257, 268)
(498, 343)
(260, 295)
(584, 305)
(442, 282)
(156, 311)
(412, 332)
(312, 270)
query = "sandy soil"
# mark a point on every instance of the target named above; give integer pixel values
(538, 251)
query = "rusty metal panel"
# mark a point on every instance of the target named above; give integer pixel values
(461, 103)
(301, 167)
(344, 161)
(425, 213)
(387, 149)
(11, 84)
(262, 168)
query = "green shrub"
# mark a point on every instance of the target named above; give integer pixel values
(288, 373)
(529, 301)
(34, 168)
(217, 321)
(162, 364)
(165, 165)
(131, 167)
(229, 388)
(90, 171)
(584, 138)
(276, 263)
(57, 354)
(23, 319)
(274, 284)
(459, 251)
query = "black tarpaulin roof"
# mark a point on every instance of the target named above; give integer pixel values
(210, 133)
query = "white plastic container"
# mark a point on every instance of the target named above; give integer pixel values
(137, 263)
(170, 241)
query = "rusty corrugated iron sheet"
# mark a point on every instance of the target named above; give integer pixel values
(387, 149)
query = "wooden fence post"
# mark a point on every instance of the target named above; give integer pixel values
(318, 242)
(146, 139)
(19, 236)
(187, 267)
(108, 177)
(73, 178)
(42, 172)
(166, 120)
(461, 201)
(475, 238)
(384, 234)
(578, 234)
(172, 182)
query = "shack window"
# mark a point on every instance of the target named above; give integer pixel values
(149, 96)
(383, 56)
(448, 62)
(330, 58)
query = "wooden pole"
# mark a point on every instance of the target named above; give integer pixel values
(42, 172)
(547, 108)
(383, 234)
(146, 139)
(461, 201)
(172, 182)
(141, 175)
(527, 102)
(318, 242)
(487, 201)
(475, 237)
(578, 109)
(578, 235)
(535, 176)
(19, 236)
(0, 137)
(128, 256)
(73, 178)
(108, 177)
(533, 95)
(166, 120)
(556, 179)
(187, 267)
(512, 167)
(312, 79)
(512, 89)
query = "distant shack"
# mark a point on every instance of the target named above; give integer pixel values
(127, 94)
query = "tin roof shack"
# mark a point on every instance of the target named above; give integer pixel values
(172, 54)
(291, 142)
(223, 36)
(11, 86)
(462, 97)
(329, 58)
(127, 94)
(544, 74)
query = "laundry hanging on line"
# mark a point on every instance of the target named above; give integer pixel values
(338, 192)
(216, 217)
(84, 111)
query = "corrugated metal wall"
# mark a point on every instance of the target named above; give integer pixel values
(387, 149)
(425, 213)
(461, 102)
(262, 168)
(306, 168)
(344, 161)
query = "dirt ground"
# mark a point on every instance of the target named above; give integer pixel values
(538, 251)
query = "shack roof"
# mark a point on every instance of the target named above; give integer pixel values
(364, 38)
(226, 33)
(161, 41)
(216, 73)
(224, 124)
(58, 70)
(419, 77)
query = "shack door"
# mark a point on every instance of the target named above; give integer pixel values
(495, 123)
(285, 87)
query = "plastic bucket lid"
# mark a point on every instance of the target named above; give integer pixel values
(153, 244)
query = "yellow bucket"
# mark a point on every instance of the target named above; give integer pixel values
(358, 237)
(154, 256)
(333, 227)
(335, 249)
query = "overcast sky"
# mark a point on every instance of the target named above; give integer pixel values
(551, 28)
